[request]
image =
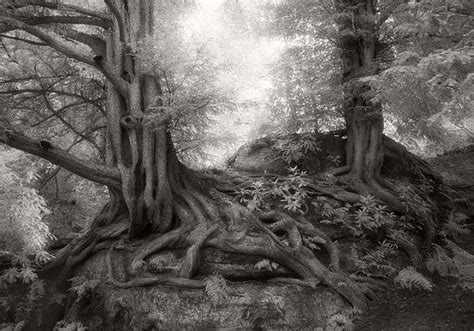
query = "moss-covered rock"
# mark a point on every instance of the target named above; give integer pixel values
(248, 305)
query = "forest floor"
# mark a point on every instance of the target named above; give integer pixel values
(447, 307)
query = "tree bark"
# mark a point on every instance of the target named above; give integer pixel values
(358, 41)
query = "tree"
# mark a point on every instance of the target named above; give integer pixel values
(358, 26)
(151, 191)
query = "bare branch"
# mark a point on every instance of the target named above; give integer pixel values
(47, 38)
(58, 20)
(94, 172)
(17, 4)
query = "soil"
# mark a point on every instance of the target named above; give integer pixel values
(447, 307)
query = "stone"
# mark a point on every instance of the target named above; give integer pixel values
(249, 304)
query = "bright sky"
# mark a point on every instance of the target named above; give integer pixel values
(252, 58)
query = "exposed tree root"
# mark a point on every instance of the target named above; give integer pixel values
(409, 248)
(151, 280)
(233, 228)
(197, 219)
(80, 249)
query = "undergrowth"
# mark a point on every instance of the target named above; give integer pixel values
(373, 227)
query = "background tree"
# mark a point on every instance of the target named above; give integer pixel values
(410, 32)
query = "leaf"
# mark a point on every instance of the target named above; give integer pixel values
(11, 275)
(216, 288)
(410, 278)
(28, 275)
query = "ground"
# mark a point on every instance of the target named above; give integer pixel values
(447, 307)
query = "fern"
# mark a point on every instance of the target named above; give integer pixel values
(83, 286)
(411, 279)
(375, 262)
(454, 227)
(69, 326)
(343, 320)
(453, 261)
(216, 288)
(29, 303)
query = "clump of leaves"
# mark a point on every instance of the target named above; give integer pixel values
(291, 190)
(82, 286)
(372, 215)
(375, 262)
(216, 288)
(21, 207)
(253, 196)
(293, 148)
(335, 160)
(343, 320)
(22, 272)
(411, 279)
(362, 219)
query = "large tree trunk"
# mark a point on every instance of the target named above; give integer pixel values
(142, 150)
(358, 41)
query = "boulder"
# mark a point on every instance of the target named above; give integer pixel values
(247, 305)
(262, 155)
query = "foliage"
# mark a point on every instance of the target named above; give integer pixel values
(21, 207)
(375, 262)
(22, 274)
(306, 93)
(453, 261)
(411, 198)
(292, 148)
(216, 288)
(343, 320)
(52, 97)
(411, 279)
(82, 287)
(69, 326)
(292, 192)
(365, 218)
(454, 226)
(431, 97)
(425, 84)
(23, 232)
(191, 67)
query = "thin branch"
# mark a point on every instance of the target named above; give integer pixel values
(27, 41)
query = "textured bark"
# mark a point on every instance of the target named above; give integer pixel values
(358, 41)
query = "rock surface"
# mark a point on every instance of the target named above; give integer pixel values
(263, 156)
(249, 305)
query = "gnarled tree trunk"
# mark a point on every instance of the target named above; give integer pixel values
(358, 41)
